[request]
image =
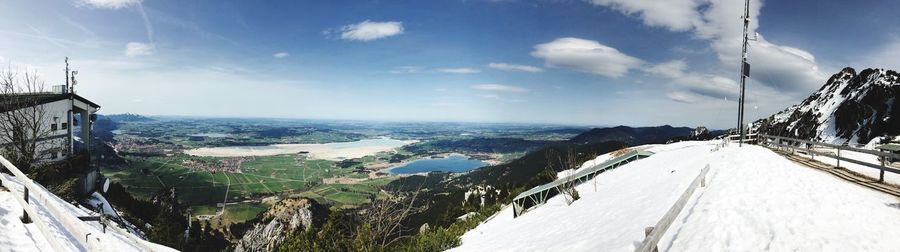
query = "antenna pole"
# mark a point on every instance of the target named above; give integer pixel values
(745, 72)
(67, 73)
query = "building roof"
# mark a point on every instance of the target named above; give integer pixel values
(18, 101)
(889, 147)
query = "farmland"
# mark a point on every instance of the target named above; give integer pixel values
(149, 155)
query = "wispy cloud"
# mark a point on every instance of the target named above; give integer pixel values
(499, 98)
(500, 88)
(405, 69)
(368, 30)
(462, 70)
(281, 55)
(586, 56)
(441, 90)
(134, 49)
(109, 4)
(514, 68)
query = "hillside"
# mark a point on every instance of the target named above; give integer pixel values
(755, 200)
(851, 107)
(631, 135)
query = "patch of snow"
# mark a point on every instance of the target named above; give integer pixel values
(17, 236)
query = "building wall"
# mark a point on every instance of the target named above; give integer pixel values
(54, 146)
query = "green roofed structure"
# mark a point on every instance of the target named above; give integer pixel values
(892, 148)
(538, 196)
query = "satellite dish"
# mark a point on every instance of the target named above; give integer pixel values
(105, 185)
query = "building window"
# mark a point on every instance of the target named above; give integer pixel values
(65, 125)
(53, 126)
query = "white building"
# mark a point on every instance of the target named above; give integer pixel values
(62, 114)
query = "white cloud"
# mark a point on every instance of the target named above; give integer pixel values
(678, 15)
(110, 4)
(462, 70)
(499, 98)
(133, 49)
(586, 56)
(780, 67)
(281, 55)
(513, 67)
(405, 70)
(500, 88)
(368, 30)
(683, 97)
(708, 85)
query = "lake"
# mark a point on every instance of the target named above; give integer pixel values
(452, 163)
(328, 151)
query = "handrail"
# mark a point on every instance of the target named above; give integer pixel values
(90, 241)
(792, 142)
(836, 146)
(34, 217)
(656, 232)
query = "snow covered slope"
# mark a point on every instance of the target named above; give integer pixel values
(849, 107)
(755, 200)
(16, 236)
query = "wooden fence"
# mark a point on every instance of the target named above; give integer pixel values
(809, 147)
(655, 233)
(86, 240)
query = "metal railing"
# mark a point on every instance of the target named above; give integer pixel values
(655, 233)
(87, 240)
(809, 147)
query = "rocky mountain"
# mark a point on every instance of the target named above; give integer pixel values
(850, 108)
(278, 221)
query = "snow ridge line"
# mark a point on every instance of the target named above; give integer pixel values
(650, 242)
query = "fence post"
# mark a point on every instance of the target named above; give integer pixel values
(647, 232)
(25, 218)
(839, 158)
(881, 174)
(811, 149)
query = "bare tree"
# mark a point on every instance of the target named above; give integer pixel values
(23, 122)
(385, 218)
(567, 164)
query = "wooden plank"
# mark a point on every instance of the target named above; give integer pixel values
(35, 218)
(650, 242)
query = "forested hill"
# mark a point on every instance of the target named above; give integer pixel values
(631, 135)
(128, 117)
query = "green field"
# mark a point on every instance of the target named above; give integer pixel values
(264, 176)
(234, 213)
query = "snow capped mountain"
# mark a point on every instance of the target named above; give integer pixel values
(851, 107)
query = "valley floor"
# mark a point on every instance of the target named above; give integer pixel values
(755, 200)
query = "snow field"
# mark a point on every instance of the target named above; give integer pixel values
(755, 200)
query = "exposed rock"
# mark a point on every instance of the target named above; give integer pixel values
(276, 223)
(849, 108)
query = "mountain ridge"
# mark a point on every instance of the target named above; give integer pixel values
(850, 107)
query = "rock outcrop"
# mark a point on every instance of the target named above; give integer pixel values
(849, 108)
(276, 223)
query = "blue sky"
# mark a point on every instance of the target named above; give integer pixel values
(591, 62)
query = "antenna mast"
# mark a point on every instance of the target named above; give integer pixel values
(745, 72)
(67, 74)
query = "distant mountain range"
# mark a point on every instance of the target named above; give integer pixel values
(630, 135)
(128, 117)
(850, 108)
